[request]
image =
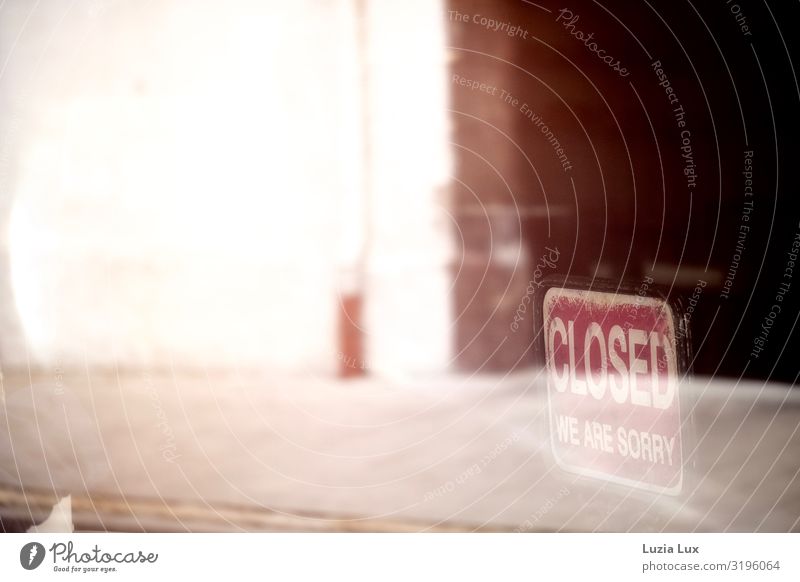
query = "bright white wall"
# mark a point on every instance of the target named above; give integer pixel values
(409, 313)
(184, 177)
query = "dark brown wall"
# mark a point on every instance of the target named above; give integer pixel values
(624, 209)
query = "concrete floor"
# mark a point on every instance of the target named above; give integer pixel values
(451, 452)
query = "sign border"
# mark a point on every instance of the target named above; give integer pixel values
(683, 360)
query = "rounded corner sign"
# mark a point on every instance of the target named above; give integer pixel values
(612, 382)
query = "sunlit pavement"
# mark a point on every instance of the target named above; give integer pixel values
(454, 452)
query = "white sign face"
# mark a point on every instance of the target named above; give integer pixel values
(612, 382)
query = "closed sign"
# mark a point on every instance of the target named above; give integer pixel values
(612, 381)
